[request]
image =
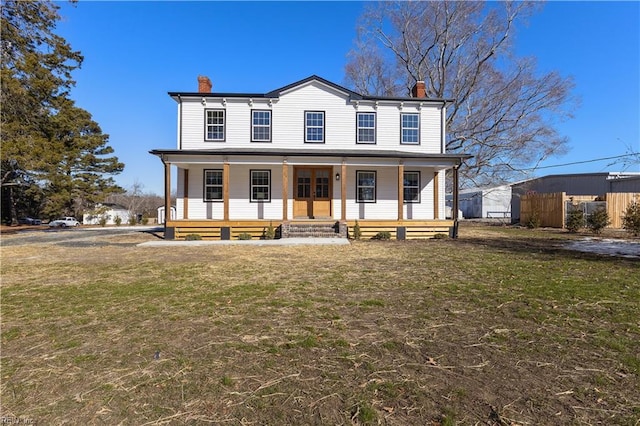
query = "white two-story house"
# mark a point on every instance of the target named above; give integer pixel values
(311, 152)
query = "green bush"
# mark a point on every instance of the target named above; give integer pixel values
(598, 220)
(132, 220)
(145, 220)
(270, 233)
(117, 220)
(575, 220)
(440, 236)
(631, 218)
(357, 232)
(382, 235)
(193, 237)
(103, 221)
(244, 236)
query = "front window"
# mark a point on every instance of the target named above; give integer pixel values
(314, 126)
(214, 130)
(410, 128)
(411, 187)
(366, 122)
(260, 186)
(260, 126)
(213, 185)
(365, 186)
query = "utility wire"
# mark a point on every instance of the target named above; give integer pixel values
(582, 162)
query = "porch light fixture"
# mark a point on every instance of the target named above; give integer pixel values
(337, 176)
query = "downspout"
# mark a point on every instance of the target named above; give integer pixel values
(443, 125)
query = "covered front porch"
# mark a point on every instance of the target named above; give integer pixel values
(231, 194)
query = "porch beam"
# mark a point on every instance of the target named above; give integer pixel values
(343, 191)
(285, 190)
(436, 195)
(185, 190)
(401, 191)
(225, 190)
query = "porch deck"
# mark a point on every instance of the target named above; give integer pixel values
(259, 229)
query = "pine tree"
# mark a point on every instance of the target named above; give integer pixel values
(51, 150)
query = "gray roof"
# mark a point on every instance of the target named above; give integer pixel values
(274, 94)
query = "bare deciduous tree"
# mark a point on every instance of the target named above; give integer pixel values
(504, 112)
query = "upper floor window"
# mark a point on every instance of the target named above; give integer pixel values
(213, 185)
(410, 128)
(411, 192)
(365, 186)
(260, 186)
(214, 127)
(261, 126)
(314, 126)
(366, 127)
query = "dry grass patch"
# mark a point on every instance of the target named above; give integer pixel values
(497, 329)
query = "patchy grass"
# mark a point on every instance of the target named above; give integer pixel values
(499, 327)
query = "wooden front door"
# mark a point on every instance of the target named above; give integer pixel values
(312, 192)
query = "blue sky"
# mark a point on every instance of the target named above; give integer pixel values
(135, 52)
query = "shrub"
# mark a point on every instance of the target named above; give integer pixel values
(103, 221)
(575, 220)
(145, 220)
(382, 235)
(270, 233)
(117, 220)
(244, 236)
(132, 220)
(534, 220)
(631, 218)
(357, 232)
(192, 237)
(598, 220)
(440, 236)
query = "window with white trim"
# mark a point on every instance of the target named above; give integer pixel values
(260, 186)
(213, 185)
(261, 126)
(314, 126)
(365, 186)
(214, 125)
(411, 193)
(366, 127)
(410, 128)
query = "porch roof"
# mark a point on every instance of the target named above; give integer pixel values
(452, 159)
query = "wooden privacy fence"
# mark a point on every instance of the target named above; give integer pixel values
(550, 208)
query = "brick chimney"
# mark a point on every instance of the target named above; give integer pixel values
(419, 90)
(204, 84)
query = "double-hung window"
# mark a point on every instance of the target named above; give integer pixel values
(314, 126)
(411, 193)
(366, 127)
(261, 126)
(410, 128)
(214, 125)
(213, 185)
(260, 186)
(365, 186)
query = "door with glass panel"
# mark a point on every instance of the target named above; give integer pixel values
(312, 192)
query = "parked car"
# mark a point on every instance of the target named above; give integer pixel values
(63, 222)
(29, 221)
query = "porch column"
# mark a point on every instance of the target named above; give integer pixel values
(225, 190)
(401, 191)
(285, 190)
(167, 193)
(436, 195)
(454, 212)
(343, 191)
(185, 191)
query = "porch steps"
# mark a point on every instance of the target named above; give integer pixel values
(313, 230)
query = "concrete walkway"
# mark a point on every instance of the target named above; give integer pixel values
(280, 242)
